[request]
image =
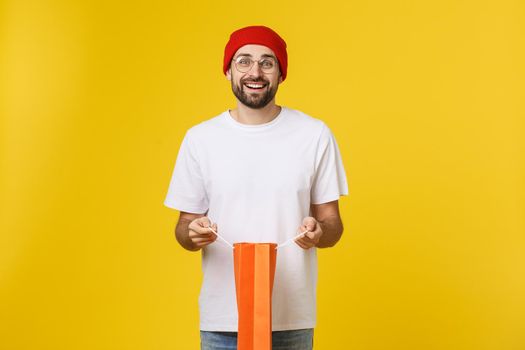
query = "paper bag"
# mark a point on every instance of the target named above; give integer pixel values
(254, 265)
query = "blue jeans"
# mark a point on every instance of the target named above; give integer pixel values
(297, 339)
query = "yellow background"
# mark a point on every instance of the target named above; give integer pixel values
(426, 99)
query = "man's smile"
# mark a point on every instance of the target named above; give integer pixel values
(254, 86)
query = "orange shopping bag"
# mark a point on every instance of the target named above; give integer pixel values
(254, 265)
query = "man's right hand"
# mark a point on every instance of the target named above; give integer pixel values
(200, 233)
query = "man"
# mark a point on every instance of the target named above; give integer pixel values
(258, 173)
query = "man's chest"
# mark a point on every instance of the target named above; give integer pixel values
(277, 167)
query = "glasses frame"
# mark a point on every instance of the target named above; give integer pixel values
(252, 61)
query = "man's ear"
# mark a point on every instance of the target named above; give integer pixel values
(229, 74)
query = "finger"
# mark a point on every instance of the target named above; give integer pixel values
(306, 245)
(204, 221)
(310, 223)
(302, 244)
(309, 242)
(203, 240)
(196, 227)
(200, 225)
(310, 235)
(305, 240)
(209, 235)
(200, 232)
(200, 238)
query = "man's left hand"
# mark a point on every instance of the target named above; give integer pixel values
(311, 238)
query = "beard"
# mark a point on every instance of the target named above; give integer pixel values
(254, 100)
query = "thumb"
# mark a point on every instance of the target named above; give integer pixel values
(310, 234)
(204, 221)
(309, 223)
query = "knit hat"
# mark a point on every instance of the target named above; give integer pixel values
(259, 35)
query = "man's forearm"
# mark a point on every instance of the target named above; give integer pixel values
(182, 233)
(332, 227)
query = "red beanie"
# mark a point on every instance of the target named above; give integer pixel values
(259, 35)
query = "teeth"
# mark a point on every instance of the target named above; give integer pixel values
(255, 86)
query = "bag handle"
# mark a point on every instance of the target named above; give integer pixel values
(285, 243)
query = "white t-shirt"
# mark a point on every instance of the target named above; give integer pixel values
(257, 183)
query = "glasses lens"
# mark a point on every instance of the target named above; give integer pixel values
(245, 63)
(267, 65)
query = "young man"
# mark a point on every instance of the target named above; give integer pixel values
(258, 173)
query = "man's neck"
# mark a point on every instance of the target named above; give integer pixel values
(247, 115)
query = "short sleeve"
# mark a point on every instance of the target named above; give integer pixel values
(329, 181)
(186, 190)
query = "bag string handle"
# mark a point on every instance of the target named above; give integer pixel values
(285, 243)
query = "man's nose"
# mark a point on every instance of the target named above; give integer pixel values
(255, 69)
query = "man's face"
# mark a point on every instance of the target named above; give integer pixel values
(254, 97)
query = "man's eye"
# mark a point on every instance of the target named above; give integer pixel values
(244, 61)
(267, 63)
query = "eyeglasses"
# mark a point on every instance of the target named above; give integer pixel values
(245, 63)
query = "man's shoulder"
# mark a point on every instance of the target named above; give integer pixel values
(305, 120)
(207, 126)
